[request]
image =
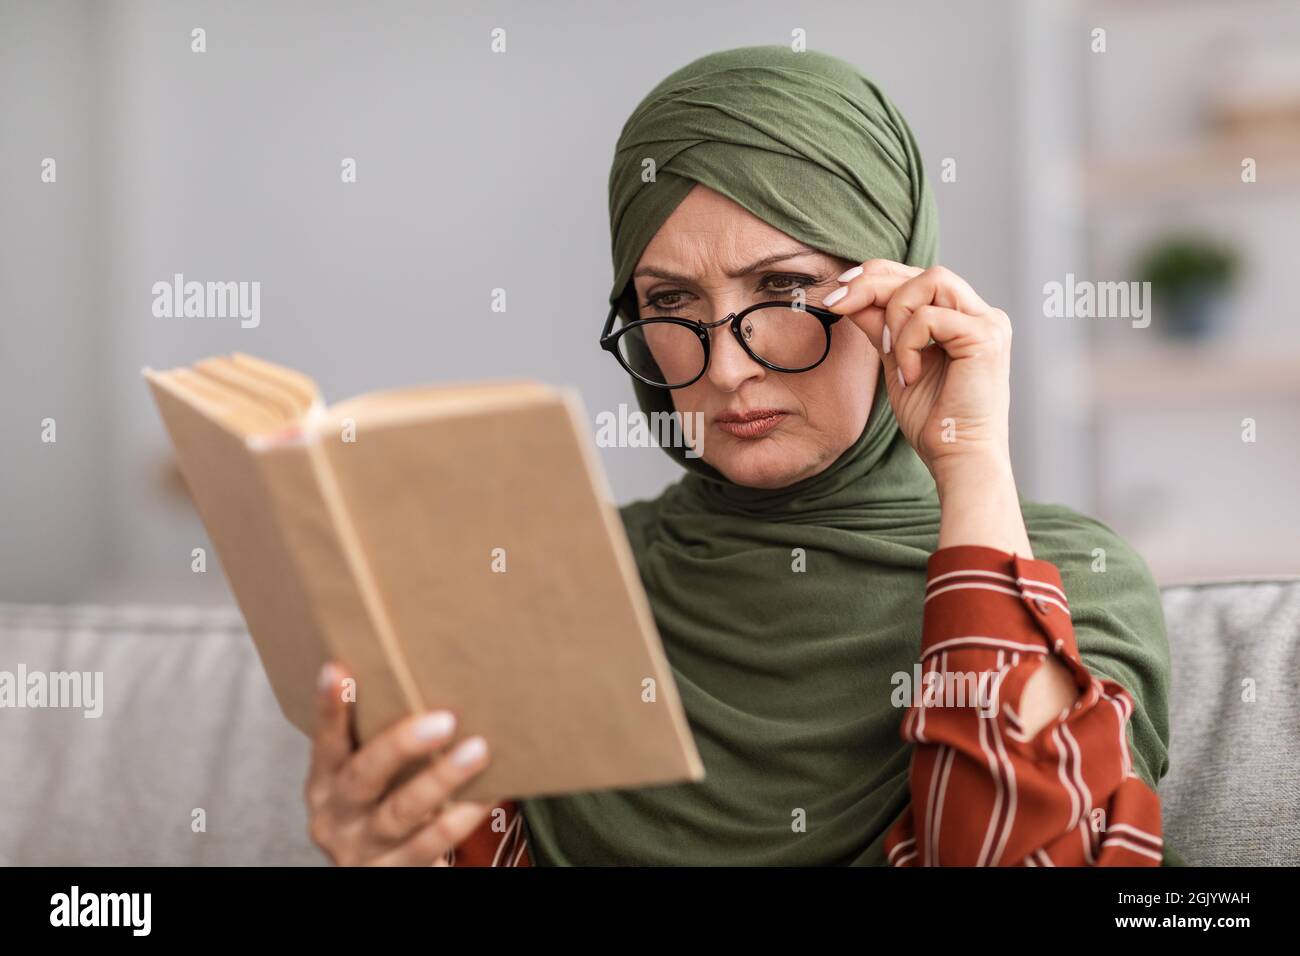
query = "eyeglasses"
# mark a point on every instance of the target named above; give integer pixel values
(673, 352)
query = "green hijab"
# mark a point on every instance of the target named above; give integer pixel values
(786, 675)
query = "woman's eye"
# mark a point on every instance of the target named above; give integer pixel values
(786, 283)
(665, 301)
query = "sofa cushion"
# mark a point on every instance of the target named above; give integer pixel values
(1232, 794)
(189, 723)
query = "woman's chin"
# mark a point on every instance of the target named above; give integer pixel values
(766, 462)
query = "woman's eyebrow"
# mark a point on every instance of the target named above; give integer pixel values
(790, 253)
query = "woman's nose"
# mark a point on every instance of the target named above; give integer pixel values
(730, 365)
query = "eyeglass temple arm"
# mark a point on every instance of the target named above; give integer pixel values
(609, 325)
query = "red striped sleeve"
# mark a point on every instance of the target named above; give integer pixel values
(498, 841)
(983, 792)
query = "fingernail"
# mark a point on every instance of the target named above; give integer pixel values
(851, 274)
(901, 381)
(835, 296)
(326, 676)
(884, 339)
(469, 751)
(440, 723)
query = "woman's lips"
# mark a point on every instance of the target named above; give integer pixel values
(753, 424)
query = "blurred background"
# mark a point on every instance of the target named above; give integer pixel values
(1070, 143)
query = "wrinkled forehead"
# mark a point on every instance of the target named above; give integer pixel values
(709, 234)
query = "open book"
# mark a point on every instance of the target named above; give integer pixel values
(452, 546)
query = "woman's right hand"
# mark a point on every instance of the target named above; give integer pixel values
(357, 817)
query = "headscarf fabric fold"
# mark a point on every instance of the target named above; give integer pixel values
(787, 614)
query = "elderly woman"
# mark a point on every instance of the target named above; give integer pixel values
(849, 550)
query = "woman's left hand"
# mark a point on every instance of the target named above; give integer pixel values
(951, 396)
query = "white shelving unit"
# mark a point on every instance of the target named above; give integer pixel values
(1182, 96)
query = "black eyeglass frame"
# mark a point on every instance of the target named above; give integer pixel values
(609, 339)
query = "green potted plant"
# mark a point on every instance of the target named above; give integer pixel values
(1190, 279)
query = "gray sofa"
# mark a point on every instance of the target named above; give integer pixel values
(191, 725)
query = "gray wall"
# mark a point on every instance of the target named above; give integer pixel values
(476, 171)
